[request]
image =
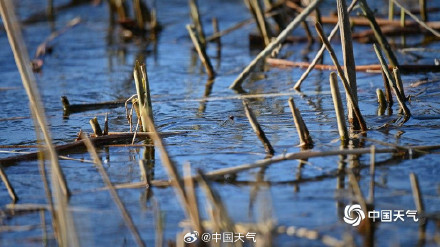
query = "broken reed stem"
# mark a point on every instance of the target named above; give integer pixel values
(423, 13)
(216, 29)
(95, 126)
(173, 174)
(23, 63)
(348, 57)
(8, 185)
(386, 84)
(256, 8)
(339, 109)
(382, 103)
(398, 78)
(257, 129)
(274, 44)
(393, 85)
(201, 51)
(138, 14)
(372, 174)
(421, 23)
(320, 52)
(195, 17)
(378, 33)
(143, 92)
(351, 100)
(105, 132)
(125, 215)
(301, 128)
(390, 10)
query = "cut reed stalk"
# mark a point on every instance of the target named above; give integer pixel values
(390, 10)
(191, 194)
(398, 78)
(351, 100)
(378, 33)
(320, 52)
(143, 92)
(348, 57)
(301, 128)
(382, 103)
(393, 85)
(420, 22)
(95, 126)
(257, 129)
(372, 174)
(8, 185)
(201, 51)
(23, 63)
(339, 109)
(386, 85)
(125, 215)
(195, 17)
(274, 44)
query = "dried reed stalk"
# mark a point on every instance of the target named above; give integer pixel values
(95, 126)
(339, 109)
(23, 63)
(381, 101)
(201, 51)
(393, 85)
(195, 17)
(320, 52)
(398, 78)
(256, 8)
(421, 23)
(257, 129)
(351, 100)
(378, 33)
(274, 44)
(125, 215)
(143, 92)
(8, 185)
(372, 174)
(301, 128)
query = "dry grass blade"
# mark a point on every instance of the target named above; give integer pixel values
(351, 100)
(257, 129)
(127, 218)
(274, 44)
(23, 63)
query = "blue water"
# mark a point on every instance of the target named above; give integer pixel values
(90, 63)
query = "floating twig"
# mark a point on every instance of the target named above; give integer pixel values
(351, 100)
(75, 108)
(301, 128)
(339, 109)
(274, 44)
(257, 129)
